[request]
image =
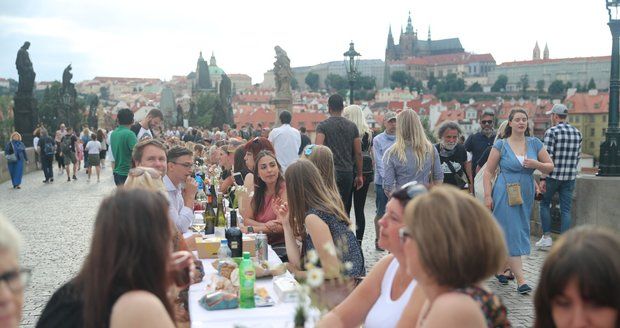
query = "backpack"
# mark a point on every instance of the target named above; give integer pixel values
(48, 148)
(65, 144)
(367, 166)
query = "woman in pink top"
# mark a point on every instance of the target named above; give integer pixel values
(268, 184)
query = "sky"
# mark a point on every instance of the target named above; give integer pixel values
(159, 39)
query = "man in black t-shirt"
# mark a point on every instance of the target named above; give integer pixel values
(145, 127)
(453, 156)
(47, 147)
(67, 150)
(477, 143)
(305, 140)
(342, 137)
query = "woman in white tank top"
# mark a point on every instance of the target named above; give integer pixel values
(387, 297)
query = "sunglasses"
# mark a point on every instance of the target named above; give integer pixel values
(403, 234)
(409, 190)
(308, 150)
(489, 122)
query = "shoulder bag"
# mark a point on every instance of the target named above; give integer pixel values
(11, 158)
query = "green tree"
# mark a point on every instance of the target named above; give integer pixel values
(427, 130)
(400, 78)
(476, 87)
(524, 83)
(105, 93)
(209, 111)
(500, 84)
(294, 84)
(365, 82)
(540, 86)
(556, 88)
(312, 81)
(336, 82)
(591, 84)
(454, 83)
(6, 125)
(432, 81)
(580, 88)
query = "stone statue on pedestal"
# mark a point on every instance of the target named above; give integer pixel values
(283, 74)
(26, 117)
(25, 71)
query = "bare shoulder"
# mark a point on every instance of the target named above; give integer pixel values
(139, 308)
(463, 312)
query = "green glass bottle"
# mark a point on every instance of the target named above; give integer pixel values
(247, 277)
(220, 214)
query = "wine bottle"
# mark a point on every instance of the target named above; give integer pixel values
(234, 236)
(210, 218)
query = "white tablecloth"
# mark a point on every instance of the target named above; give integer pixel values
(279, 315)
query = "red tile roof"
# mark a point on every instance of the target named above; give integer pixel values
(447, 59)
(451, 115)
(252, 98)
(556, 60)
(268, 116)
(125, 79)
(584, 103)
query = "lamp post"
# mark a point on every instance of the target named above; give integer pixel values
(610, 152)
(351, 68)
(66, 100)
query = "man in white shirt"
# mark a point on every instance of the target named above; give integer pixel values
(286, 141)
(181, 187)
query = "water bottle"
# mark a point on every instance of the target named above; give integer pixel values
(224, 254)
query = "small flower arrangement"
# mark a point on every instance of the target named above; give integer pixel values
(324, 294)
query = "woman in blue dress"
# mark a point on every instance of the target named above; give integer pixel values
(16, 168)
(517, 155)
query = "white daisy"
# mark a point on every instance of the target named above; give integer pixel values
(329, 247)
(348, 265)
(315, 277)
(313, 257)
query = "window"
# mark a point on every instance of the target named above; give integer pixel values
(604, 118)
(591, 118)
(577, 119)
(592, 132)
(591, 144)
(597, 105)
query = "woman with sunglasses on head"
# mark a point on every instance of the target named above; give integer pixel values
(252, 148)
(512, 197)
(126, 277)
(13, 279)
(313, 216)
(387, 297)
(451, 246)
(269, 186)
(578, 284)
(412, 157)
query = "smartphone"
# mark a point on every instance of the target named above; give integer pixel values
(238, 178)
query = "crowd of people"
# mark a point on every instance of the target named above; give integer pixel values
(443, 243)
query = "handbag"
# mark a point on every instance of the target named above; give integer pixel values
(11, 158)
(461, 179)
(514, 193)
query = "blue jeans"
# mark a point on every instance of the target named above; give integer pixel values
(565, 189)
(380, 200)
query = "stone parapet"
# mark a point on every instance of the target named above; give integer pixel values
(4, 169)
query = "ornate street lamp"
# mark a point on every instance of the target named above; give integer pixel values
(610, 152)
(351, 67)
(66, 100)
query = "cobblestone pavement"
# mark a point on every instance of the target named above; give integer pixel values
(56, 221)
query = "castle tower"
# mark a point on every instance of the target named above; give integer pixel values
(536, 52)
(203, 80)
(390, 48)
(212, 61)
(409, 29)
(546, 52)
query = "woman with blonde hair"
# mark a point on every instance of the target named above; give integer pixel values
(312, 215)
(354, 114)
(412, 157)
(452, 245)
(322, 157)
(145, 178)
(15, 153)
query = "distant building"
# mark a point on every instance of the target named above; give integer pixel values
(240, 82)
(588, 112)
(409, 45)
(574, 70)
(462, 64)
(202, 79)
(215, 73)
(366, 67)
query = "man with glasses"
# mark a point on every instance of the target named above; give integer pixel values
(13, 279)
(477, 143)
(181, 187)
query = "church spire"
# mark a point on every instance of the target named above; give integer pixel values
(409, 24)
(390, 40)
(429, 33)
(546, 52)
(536, 52)
(212, 61)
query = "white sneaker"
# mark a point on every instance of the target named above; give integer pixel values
(545, 241)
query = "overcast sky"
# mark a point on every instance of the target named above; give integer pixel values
(151, 38)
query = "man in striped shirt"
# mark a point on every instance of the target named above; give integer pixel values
(563, 143)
